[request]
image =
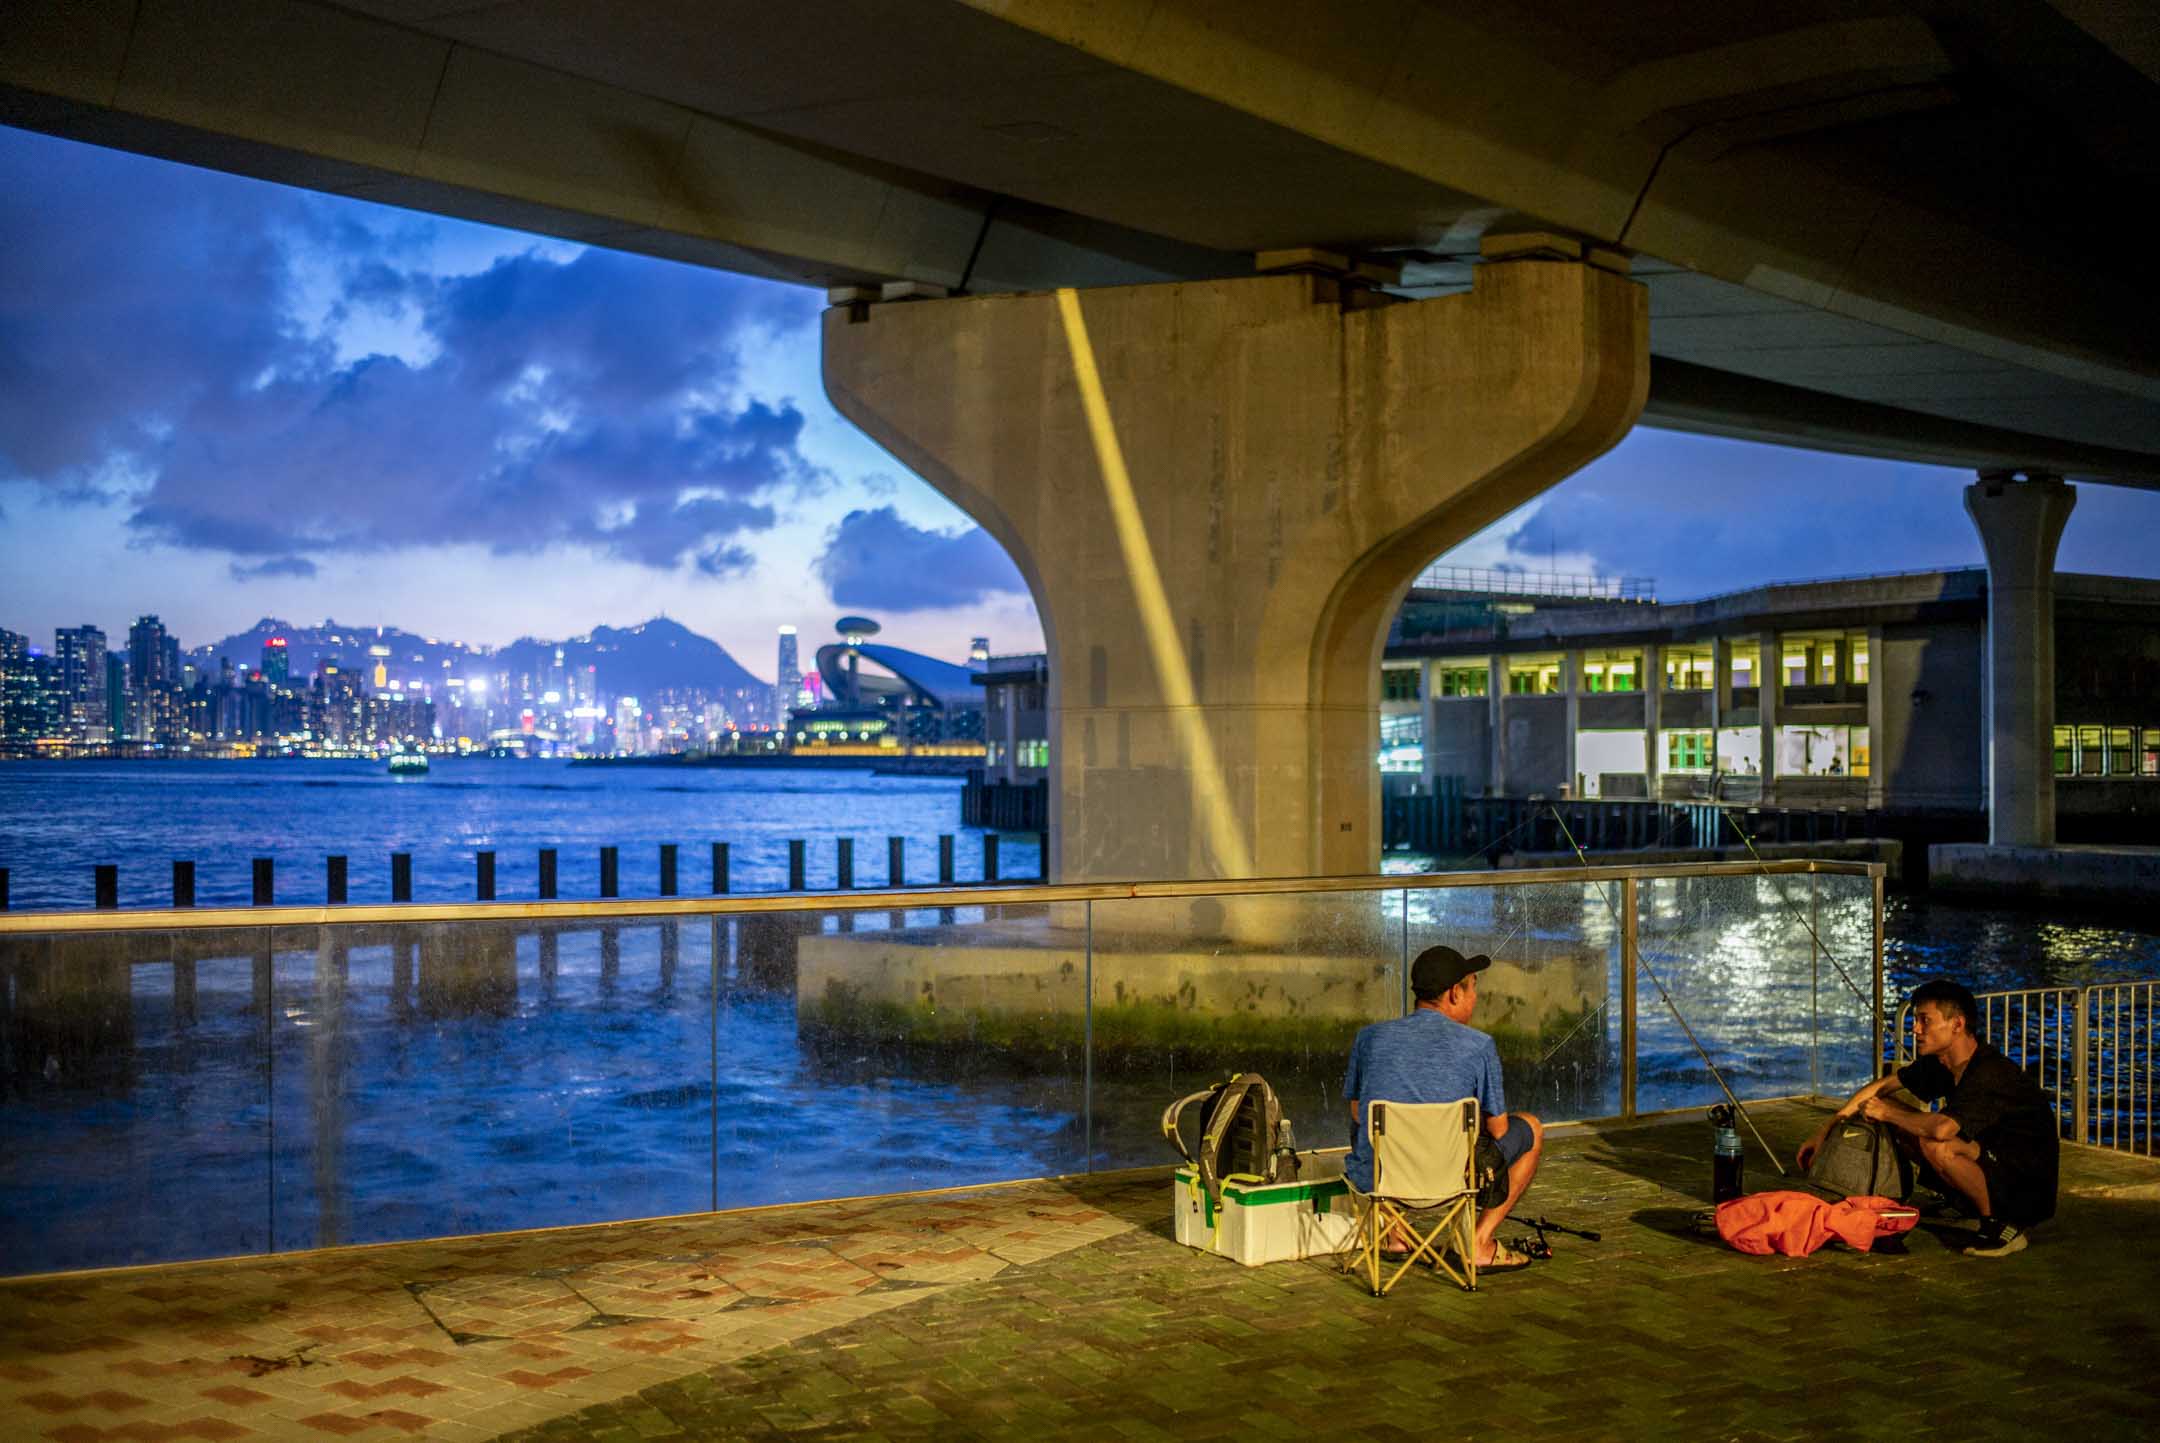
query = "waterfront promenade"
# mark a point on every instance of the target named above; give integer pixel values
(1054, 1310)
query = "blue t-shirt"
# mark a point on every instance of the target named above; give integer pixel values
(1425, 1057)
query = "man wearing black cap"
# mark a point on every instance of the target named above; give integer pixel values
(1434, 1055)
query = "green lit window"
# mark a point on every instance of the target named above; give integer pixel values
(2065, 752)
(2122, 755)
(1796, 666)
(2092, 750)
(1462, 680)
(1858, 650)
(1743, 669)
(1605, 671)
(1533, 676)
(1399, 683)
(1688, 750)
(2149, 753)
(1859, 751)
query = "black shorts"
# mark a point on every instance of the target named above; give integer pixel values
(2020, 1196)
(1516, 1140)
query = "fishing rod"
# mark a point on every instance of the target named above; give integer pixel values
(1673, 1008)
(1864, 999)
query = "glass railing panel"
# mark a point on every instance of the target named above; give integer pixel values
(1738, 963)
(1547, 1001)
(1841, 912)
(893, 1049)
(1188, 990)
(473, 1076)
(134, 1121)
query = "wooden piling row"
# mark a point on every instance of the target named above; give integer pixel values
(336, 888)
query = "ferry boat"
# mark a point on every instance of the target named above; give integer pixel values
(408, 762)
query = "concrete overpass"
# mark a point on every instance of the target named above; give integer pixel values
(1896, 228)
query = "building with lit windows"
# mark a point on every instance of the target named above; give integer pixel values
(1862, 693)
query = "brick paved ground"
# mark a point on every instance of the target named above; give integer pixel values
(1067, 1311)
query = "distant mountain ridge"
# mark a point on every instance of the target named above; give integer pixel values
(658, 655)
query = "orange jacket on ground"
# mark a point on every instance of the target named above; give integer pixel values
(1797, 1223)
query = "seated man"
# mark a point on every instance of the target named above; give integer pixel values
(1434, 1055)
(1993, 1144)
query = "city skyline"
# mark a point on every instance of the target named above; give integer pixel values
(235, 400)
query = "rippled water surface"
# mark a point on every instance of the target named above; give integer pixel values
(58, 821)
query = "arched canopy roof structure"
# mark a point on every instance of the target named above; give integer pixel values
(911, 676)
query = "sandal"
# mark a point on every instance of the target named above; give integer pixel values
(1506, 1258)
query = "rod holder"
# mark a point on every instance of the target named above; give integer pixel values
(183, 884)
(719, 868)
(484, 876)
(844, 862)
(610, 872)
(945, 859)
(990, 856)
(105, 884)
(795, 864)
(401, 876)
(896, 861)
(667, 869)
(334, 881)
(547, 874)
(265, 881)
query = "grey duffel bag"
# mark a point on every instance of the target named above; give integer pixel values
(1859, 1159)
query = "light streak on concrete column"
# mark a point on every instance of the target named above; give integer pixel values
(1172, 671)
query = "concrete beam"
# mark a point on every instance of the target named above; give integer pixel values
(328, 100)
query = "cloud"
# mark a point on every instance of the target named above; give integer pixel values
(587, 399)
(297, 566)
(1701, 515)
(878, 561)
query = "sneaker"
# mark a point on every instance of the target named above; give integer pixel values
(1998, 1239)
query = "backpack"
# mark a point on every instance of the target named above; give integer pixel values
(1859, 1159)
(1240, 1133)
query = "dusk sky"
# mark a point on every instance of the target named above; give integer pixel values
(222, 399)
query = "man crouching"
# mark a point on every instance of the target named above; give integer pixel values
(1993, 1144)
(1434, 1055)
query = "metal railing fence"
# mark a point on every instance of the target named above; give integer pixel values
(2090, 1048)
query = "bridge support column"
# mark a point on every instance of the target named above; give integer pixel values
(1219, 492)
(2021, 517)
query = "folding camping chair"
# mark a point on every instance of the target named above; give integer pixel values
(1424, 1169)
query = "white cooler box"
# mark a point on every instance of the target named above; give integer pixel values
(1269, 1222)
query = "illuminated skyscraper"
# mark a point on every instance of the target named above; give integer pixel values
(978, 653)
(789, 680)
(153, 681)
(81, 654)
(276, 662)
(16, 728)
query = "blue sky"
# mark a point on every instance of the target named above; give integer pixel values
(222, 399)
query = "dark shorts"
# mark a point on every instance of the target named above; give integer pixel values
(2023, 1196)
(1516, 1140)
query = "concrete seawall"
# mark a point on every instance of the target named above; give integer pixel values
(2107, 876)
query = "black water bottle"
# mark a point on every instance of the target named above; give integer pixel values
(1726, 1180)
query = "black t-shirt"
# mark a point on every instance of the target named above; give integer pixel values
(1998, 1106)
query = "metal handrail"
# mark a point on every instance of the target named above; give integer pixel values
(1567, 585)
(883, 899)
(2095, 1042)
